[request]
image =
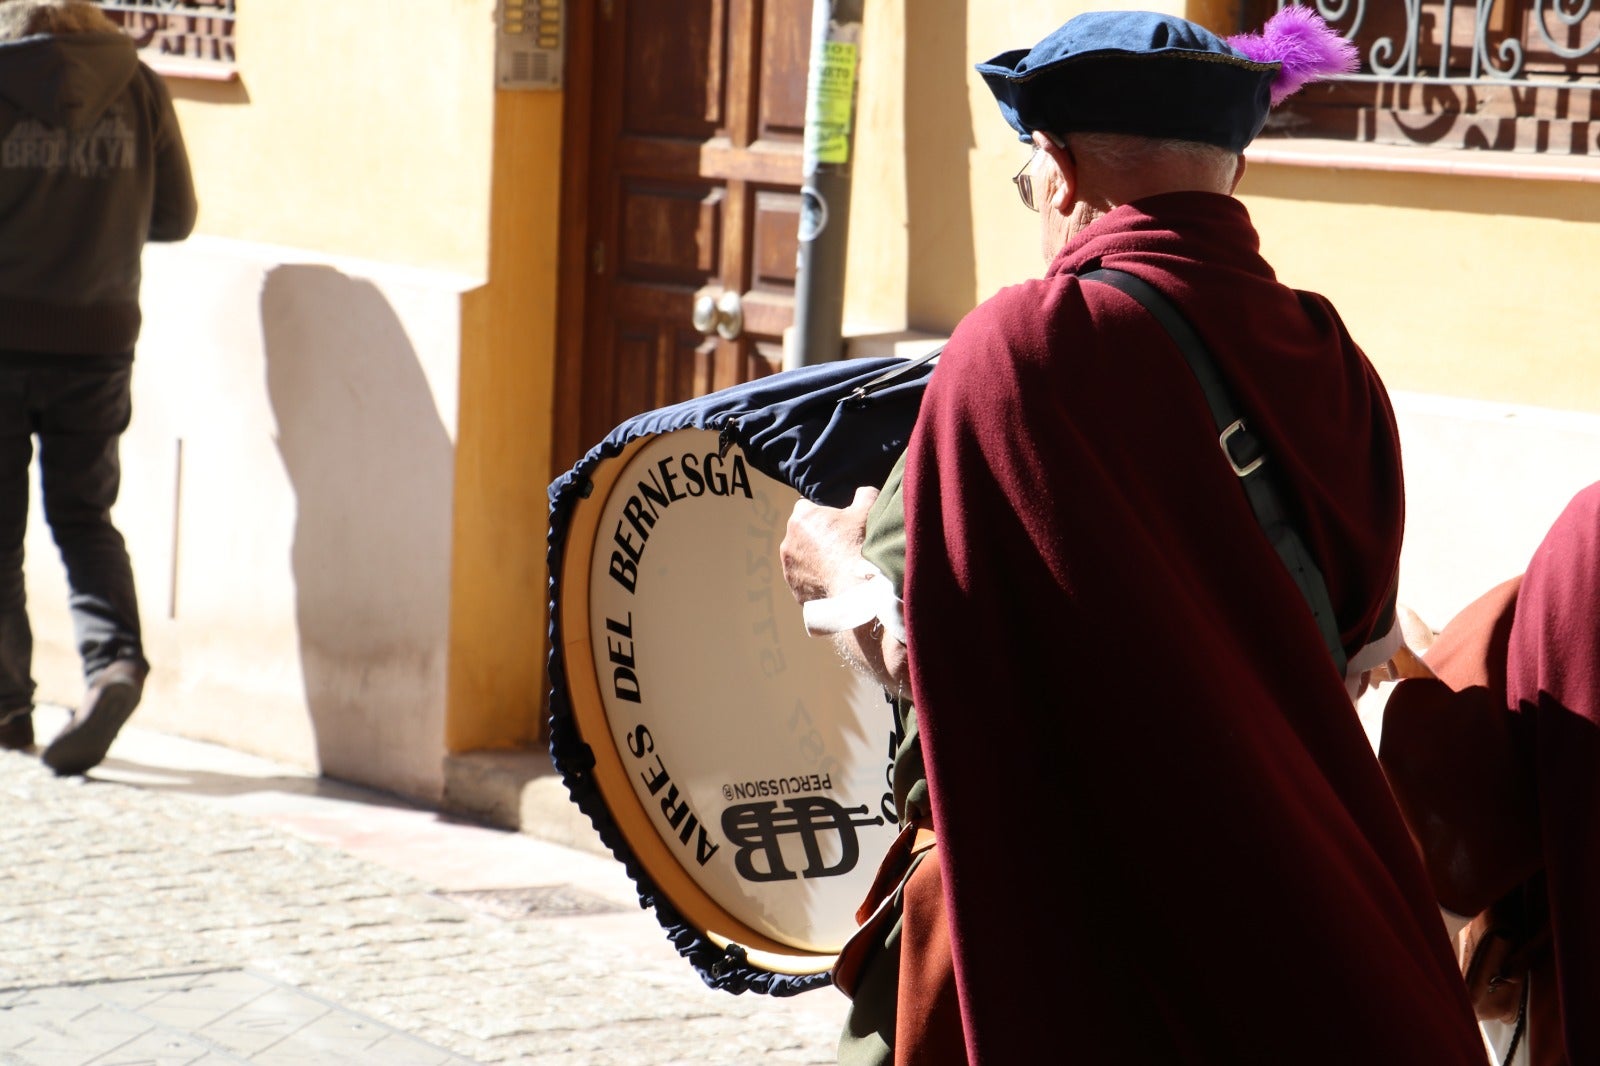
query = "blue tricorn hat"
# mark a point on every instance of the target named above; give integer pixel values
(1155, 75)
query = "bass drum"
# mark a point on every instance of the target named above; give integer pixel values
(734, 764)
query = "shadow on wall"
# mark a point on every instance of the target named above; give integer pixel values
(371, 465)
(942, 270)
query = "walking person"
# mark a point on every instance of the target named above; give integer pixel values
(92, 165)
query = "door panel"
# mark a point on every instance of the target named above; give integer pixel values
(670, 233)
(697, 118)
(675, 66)
(776, 241)
(785, 58)
(654, 366)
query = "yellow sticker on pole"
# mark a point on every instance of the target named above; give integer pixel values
(830, 101)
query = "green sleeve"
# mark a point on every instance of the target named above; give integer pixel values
(868, 1036)
(885, 545)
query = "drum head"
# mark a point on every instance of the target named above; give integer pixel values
(742, 762)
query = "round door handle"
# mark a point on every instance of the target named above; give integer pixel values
(722, 314)
(730, 316)
(704, 316)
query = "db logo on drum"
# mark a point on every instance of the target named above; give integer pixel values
(757, 830)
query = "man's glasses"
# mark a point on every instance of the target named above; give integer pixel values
(1024, 181)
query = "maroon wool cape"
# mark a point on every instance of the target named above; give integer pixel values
(1553, 683)
(1501, 770)
(1166, 838)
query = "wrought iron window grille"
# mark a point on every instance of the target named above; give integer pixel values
(186, 30)
(1514, 75)
(1496, 53)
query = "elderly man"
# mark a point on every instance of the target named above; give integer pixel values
(1145, 823)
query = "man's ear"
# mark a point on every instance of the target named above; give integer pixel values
(1065, 192)
(1238, 176)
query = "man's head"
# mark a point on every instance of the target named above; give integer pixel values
(1125, 104)
(1078, 177)
(29, 18)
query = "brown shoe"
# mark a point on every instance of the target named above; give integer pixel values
(112, 696)
(16, 729)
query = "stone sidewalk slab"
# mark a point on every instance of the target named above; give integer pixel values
(176, 859)
(227, 1016)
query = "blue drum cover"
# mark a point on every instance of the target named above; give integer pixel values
(823, 430)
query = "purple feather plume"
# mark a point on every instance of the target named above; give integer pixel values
(1303, 44)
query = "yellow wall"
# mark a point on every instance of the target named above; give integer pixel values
(1007, 249)
(876, 247)
(372, 128)
(938, 229)
(1471, 286)
(1469, 292)
(497, 625)
(357, 128)
(1466, 286)
(1218, 16)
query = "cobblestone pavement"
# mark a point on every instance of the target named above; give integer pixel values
(182, 870)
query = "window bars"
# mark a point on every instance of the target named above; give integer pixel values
(1470, 42)
(199, 30)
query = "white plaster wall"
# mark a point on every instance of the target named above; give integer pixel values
(1484, 481)
(286, 497)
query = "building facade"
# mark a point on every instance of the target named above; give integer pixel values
(417, 295)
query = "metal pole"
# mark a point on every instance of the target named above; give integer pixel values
(825, 191)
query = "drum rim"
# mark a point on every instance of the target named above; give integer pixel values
(628, 815)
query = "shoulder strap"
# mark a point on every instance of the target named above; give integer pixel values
(1244, 452)
(864, 392)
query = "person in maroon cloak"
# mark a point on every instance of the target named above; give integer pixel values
(1162, 835)
(1496, 764)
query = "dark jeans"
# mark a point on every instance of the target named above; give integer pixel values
(78, 411)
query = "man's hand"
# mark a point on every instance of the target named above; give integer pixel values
(821, 555)
(821, 549)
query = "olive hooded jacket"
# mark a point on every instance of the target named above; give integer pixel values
(92, 165)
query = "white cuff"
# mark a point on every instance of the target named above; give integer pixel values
(858, 605)
(1372, 656)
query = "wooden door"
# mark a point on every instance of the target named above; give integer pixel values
(689, 190)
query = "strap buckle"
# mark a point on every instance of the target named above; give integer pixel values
(1252, 455)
